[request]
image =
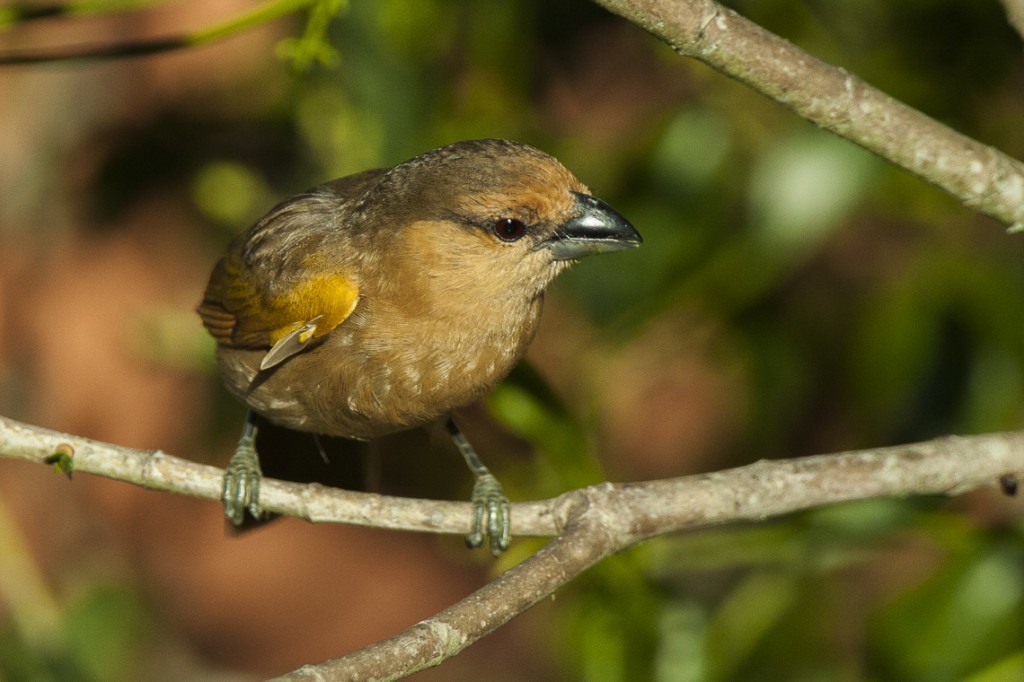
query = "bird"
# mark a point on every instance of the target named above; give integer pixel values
(385, 300)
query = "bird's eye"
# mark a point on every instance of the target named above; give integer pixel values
(509, 229)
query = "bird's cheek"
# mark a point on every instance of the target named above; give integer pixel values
(539, 269)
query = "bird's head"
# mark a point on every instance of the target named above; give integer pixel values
(500, 212)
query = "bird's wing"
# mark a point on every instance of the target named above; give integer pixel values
(275, 288)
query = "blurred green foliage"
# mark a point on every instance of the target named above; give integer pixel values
(101, 637)
(859, 306)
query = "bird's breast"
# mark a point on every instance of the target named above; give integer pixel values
(384, 370)
(411, 370)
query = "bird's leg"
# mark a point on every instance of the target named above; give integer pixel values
(491, 513)
(241, 490)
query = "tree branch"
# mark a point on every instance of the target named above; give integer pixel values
(157, 470)
(1015, 15)
(605, 519)
(591, 523)
(978, 175)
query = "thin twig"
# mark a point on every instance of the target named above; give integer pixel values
(250, 18)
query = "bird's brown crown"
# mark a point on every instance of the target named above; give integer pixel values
(475, 183)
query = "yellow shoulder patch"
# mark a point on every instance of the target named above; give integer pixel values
(317, 306)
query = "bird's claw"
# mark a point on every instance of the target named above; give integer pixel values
(241, 489)
(491, 515)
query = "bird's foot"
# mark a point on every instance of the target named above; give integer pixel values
(241, 489)
(491, 515)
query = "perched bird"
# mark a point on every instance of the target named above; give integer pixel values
(384, 300)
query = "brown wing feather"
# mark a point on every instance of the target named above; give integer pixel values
(272, 280)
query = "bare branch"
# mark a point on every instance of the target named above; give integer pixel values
(594, 522)
(978, 175)
(605, 519)
(430, 642)
(157, 470)
(1015, 15)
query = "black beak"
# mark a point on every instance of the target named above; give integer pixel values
(596, 228)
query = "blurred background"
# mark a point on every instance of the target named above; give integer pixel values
(794, 295)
